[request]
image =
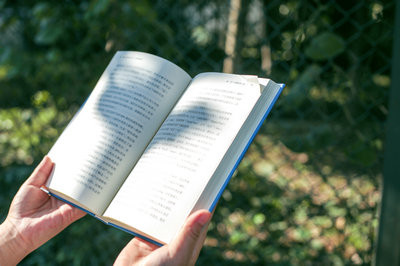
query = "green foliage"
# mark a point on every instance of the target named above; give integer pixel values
(325, 46)
(307, 191)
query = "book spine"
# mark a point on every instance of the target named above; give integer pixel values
(136, 234)
(68, 202)
(99, 218)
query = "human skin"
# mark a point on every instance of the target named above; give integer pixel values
(34, 218)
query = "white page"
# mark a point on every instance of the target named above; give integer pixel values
(99, 147)
(169, 178)
(270, 90)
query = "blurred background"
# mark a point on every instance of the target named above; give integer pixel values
(307, 191)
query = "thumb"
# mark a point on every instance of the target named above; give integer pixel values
(41, 173)
(188, 243)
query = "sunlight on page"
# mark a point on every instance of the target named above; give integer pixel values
(98, 149)
(169, 178)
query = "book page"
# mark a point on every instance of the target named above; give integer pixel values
(102, 143)
(269, 93)
(176, 166)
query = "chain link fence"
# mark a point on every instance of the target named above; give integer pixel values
(308, 189)
(320, 152)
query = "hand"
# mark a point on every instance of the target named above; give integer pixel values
(34, 217)
(184, 250)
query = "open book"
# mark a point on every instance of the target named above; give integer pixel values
(151, 145)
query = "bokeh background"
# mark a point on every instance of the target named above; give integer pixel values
(307, 191)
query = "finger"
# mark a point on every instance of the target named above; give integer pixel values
(143, 245)
(41, 173)
(189, 241)
(200, 241)
(134, 251)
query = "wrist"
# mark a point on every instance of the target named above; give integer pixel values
(12, 247)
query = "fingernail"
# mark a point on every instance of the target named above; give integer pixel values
(204, 219)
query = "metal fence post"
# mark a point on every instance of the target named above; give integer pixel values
(388, 246)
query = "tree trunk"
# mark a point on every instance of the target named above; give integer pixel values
(231, 36)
